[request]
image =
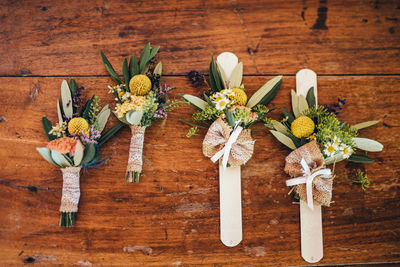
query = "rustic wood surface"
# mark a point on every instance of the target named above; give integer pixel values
(172, 217)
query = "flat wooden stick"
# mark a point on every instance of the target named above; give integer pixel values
(230, 193)
(312, 249)
(230, 205)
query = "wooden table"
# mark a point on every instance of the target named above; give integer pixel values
(172, 217)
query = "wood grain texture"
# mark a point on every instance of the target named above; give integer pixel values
(42, 38)
(171, 218)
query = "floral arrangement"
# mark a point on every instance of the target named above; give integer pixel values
(318, 138)
(226, 111)
(140, 99)
(74, 142)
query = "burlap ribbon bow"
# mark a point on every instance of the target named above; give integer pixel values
(322, 179)
(240, 151)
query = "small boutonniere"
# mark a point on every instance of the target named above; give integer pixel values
(140, 98)
(74, 142)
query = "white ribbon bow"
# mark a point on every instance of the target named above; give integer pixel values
(228, 146)
(307, 179)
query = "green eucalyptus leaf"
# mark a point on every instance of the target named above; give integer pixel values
(73, 86)
(215, 80)
(335, 158)
(284, 139)
(222, 75)
(66, 99)
(102, 118)
(158, 69)
(367, 144)
(359, 158)
(302, 104)
(110, 68)
(123, 119)
(153, 52)
(90, 152)
(59, 159)
(133, 67)
(288, 115)
(134, 117)
(47, 128)
(236, 77)
(266, 93)
(125, 72)
(311, 98)
(86, 109)
(60, 118)
(208, 100)
(46, 154)
(366, 124)
(280, 127)
(144, 57)
(70, 161)
(78, 155)
(195, 101)
(229, 117)
(295, 103)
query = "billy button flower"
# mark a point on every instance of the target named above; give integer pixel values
(303, 126)
(77, 125)
(240, 96)
(140, 85)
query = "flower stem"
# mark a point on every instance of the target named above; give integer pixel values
(67, 219)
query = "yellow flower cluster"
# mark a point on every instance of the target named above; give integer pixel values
(303, 126)
(140, 84)
(135, 103)
(77, 125)
(240, 96)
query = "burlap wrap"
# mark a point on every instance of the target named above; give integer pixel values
(217, 136)
(322, 187)
(70, 191)
(135, 161)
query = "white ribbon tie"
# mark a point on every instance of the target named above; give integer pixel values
(225, 151)
(307, 179)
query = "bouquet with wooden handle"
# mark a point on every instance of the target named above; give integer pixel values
(318, 139)
(74, 142)
(140, 99)
(227, 114)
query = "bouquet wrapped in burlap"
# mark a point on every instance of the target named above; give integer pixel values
(140, 100)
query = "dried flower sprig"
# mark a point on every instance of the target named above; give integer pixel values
(74, 142)
(140, 100)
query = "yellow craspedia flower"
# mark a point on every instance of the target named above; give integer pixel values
(78, 124)
(140, 84)
(303, 126)
(240, 96)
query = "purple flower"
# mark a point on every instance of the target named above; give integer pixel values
(195, 78)
(160, 113)
(90, 138)
(160, 92)
(77, 100)
(336, 107)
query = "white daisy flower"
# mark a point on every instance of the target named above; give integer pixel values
(221, 104)
(347, 151)
(336, 141)
(228, 92)
(330, 149)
